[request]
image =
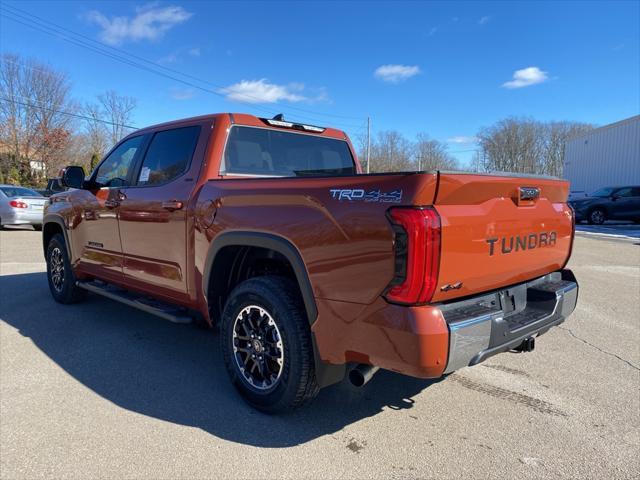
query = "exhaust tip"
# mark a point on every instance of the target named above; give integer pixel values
(361, 374)
(356, 378)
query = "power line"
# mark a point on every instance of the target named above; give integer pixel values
(53, 29)
(62, 112)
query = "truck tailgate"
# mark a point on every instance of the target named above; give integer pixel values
(494, 235)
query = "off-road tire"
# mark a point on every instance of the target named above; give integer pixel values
(65, 291)
(597, 216)
(297, 383)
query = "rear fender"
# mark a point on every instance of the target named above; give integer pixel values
(272, 242)
(326, 374)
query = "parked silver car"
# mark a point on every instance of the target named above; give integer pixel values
(21, 206)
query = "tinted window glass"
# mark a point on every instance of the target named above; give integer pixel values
(624, 192)
(169, 155)
(260, 151)
(603, 192)
(19, 192)
(115, 168)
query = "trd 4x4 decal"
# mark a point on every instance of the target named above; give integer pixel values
(359, 194)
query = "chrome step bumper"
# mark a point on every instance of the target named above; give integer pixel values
(501, 321)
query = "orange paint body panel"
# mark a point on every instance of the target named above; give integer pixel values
(491, 237)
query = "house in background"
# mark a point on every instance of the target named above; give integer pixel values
(603, 157)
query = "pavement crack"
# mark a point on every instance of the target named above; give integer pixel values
(598, 348)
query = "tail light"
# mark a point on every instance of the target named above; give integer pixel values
(18, 204)
(417, 255)
(573, 233)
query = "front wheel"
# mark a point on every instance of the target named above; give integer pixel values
(597, 216)
(62, 281)
(267, 347)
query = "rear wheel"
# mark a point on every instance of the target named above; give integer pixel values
(266, 342)
(62, 281)
(597, 216)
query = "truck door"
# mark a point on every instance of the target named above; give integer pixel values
(96, 237)
(154, 217)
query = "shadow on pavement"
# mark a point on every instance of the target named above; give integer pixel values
(175, 372)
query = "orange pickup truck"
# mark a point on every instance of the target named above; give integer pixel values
(312, 270)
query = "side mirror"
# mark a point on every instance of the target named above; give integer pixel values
(72, 177)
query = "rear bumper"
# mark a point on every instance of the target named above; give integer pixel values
(480, 329)
(24, 217)
(433, 340)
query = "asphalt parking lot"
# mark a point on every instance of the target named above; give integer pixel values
(100, 390)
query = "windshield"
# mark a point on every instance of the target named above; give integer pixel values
(19, 192)
(265, 152)
(603, 192)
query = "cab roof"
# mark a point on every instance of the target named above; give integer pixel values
(276, 123)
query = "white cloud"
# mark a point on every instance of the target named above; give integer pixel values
(433, 31)
(261, 91)
(149, 23)
(526, 77)
(171, 58)
(484, 20)
(396, 73)
(182, 93)
(463, 140)
(178, 55)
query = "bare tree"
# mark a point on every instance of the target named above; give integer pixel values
(33, 125)
(512, 145)
(432, 155)
(117, 110)
(527, 146)
(556, 135)
(391, 152)
(97, 135)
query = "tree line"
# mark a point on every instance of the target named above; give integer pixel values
(518, 145)
(390, 151)
(43, 128)
(525, 145)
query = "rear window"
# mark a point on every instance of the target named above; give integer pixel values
(19, 192)
(264, 152)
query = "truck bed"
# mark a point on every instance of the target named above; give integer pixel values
(490, 237)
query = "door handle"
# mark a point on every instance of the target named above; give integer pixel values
(172, 205)
(111, 203)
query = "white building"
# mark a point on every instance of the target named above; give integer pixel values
(606, 156)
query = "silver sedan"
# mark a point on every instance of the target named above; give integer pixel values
(21, 206)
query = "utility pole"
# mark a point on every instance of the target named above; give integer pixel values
(368, 142)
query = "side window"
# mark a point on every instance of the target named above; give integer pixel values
(635, 192)
(625, 192)
(113, 171)
(169, 155)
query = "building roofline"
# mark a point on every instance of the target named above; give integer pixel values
(605, 127)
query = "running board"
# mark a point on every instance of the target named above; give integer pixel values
(147, 304)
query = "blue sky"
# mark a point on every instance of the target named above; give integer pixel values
(444, 68)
